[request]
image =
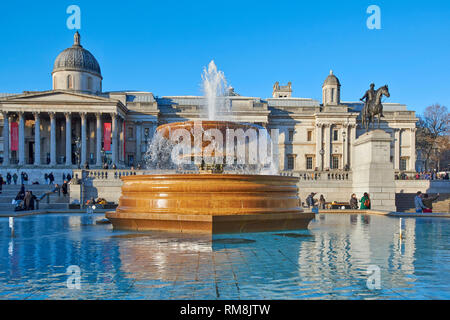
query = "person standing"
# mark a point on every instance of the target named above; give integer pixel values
(46, 178)
(322, 202)
(365, 201)
(353, 202)
(418, 204)
(51, 178)
(428, 202)
(8, 178)
(1, 183)
(64, 188)
(15, 177)
(310, 200)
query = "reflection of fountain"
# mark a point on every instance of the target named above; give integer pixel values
(240, 191)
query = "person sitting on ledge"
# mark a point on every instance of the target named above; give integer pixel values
(353, 202)
(365, 201)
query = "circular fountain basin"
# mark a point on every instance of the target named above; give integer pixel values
(212, 203)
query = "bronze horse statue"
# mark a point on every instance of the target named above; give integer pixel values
(373, 107)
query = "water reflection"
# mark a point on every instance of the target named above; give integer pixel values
(328, 261)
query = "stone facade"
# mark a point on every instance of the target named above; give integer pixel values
(314, 136)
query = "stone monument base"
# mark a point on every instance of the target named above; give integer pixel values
(373, 171)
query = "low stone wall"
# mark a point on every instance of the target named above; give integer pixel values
(425, 186)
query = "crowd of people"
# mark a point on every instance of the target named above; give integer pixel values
(364, 202)
(424, 175)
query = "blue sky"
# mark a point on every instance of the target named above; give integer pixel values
(162, 46)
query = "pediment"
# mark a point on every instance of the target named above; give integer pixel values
(56, 96)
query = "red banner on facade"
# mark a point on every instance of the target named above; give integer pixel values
(107, 136)
(14, 136)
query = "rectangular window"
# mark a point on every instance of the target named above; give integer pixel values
(335, 135)
(290, 163)
(403, 162)
(291, 135)
(332, 95)
(309, 135)
(309, 163)
(335, 162)
(130, 133)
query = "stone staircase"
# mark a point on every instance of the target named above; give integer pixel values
(405, 202)
(54, 202)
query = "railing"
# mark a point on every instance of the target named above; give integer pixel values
(319, 175)
(106, 174)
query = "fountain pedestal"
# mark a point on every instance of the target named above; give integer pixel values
(210, 203)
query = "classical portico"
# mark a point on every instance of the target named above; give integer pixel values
(49, 124)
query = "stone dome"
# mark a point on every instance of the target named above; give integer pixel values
(76, 58)
(331, 80)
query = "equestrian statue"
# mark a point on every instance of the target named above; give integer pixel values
(373, 106)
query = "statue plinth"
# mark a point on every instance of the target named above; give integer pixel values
(373, 171)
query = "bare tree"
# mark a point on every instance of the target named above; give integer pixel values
(431, 128)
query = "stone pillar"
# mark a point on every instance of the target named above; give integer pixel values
(99, 140)
(114, 138)
(345, 138)
(5, 138)
(83, 139)
(412, 157)
(397, 135)
(37, 139)
(68, 139)
(327, 155)
(319, 145)
(373, 171)
(122, 140)
(21, 139)
(52, 138)
(138, 141)
(352, 144)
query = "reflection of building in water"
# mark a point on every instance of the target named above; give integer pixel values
(38, 254)
(349, 247)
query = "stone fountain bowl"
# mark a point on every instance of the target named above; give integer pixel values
(213, 203)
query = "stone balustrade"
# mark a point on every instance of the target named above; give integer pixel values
(319, 175)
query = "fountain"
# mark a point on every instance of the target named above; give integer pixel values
(211, 176)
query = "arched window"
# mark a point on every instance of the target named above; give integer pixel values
(69, 82)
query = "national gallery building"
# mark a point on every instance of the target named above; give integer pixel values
(77, 122)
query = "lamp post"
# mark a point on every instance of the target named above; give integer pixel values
(322, 152)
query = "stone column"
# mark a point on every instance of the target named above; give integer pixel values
(21, 139)
(114, 138)
(345, 145)
(412, 157)
(327, 154)
(138, 141)
(68, 139)
(122, 140)
(319, 145)
(83, 139)
(99, 140)
(37, 139)
(397, 135)
(5, 138)
(352, 144)
(52, 138)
